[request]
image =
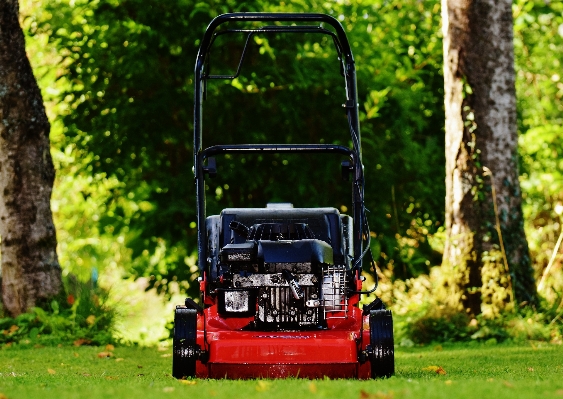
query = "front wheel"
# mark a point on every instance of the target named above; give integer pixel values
(184, 347)
(382, 351)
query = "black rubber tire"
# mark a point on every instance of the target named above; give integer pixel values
(382, 354)
(184, 347)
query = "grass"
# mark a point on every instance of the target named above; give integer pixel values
(499, 371)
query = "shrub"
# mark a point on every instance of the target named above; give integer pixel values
(83, 317)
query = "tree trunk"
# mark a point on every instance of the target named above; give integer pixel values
(481, 133)
(30, 269)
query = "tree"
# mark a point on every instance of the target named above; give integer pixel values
(481, 160)
(30, 269)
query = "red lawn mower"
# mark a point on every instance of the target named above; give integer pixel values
(280, 286)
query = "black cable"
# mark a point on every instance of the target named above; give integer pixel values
(365, 225)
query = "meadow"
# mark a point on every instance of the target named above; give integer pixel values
(434, 371)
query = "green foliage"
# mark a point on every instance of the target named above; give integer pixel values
(125, 92)
(83, 316)
(539, 58)
(526, 325)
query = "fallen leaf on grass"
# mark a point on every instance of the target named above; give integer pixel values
(76, 354)
(312, 387)
(109, 377)
(530, 369)
(188, 382)
(110, 347)
(139, 366)
(449, 382)
(81, 341)
(51, 371)
(13, 329)
(507, 384)
(377, 395)
(435, 369)
(262, 386)
(86, 375)
(105, 355)
(119, 359)
(168, 389)
(2, 396)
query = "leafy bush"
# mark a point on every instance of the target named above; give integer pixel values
(525, 325)
(81, 318)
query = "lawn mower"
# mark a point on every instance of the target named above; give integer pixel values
(281, 286)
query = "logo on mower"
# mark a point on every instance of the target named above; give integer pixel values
(284, 336)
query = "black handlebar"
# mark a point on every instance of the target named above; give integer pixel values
(271, 17)
(351, 107)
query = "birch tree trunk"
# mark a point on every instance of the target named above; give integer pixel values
(481, 133)
(30, 269)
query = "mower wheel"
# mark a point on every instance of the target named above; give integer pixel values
(382, 352)
(185, 350)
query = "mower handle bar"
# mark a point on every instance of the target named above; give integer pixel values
(278, 148)
(271, 17)
(351, 106)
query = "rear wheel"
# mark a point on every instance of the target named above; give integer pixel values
(185, 350)
(382, 352)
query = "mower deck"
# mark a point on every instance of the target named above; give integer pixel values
(237, 354)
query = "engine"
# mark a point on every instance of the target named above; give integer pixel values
(289, 273)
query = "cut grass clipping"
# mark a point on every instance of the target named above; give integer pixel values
(455, 371)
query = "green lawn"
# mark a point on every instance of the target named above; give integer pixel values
(471, 372)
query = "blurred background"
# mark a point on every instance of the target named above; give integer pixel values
(117, 80)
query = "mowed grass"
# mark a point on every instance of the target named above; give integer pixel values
(474, 372)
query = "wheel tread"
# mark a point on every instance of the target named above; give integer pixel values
(184, 346)
(382, 355)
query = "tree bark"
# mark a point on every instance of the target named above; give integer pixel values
(30, 269)
(481, 133)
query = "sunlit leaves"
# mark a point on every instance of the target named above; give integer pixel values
(126, 92)
(539, 60)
